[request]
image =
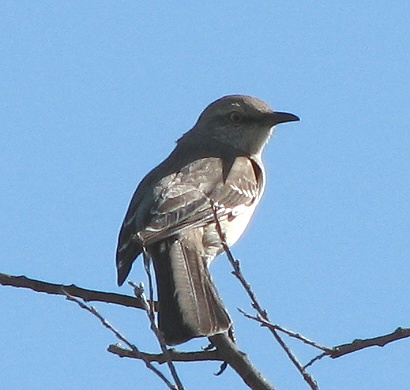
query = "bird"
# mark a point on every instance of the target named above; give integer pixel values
(204, 192)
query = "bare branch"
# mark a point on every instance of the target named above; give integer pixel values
(339, 350)
(239, 362)
(255, 303)
(200, 356)
(226, 349)
(83, 293)
(117, 334)
(290, 333)
(139, 292)
(358, 344)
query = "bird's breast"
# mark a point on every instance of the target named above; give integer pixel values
(234, 226)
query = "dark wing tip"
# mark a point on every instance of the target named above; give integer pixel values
(121, 278)
(123, 269)
(124, 260)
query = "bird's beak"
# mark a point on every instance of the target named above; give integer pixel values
(281, 117)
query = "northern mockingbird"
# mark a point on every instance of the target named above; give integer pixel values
(172, 220)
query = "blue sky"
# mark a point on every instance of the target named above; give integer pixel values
(94, 94)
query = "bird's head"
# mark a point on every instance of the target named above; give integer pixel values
(242, 122)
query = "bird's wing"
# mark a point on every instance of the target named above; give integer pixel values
(185, 201)
(165, 204)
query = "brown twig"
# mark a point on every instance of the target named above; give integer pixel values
(139, 292)
(117, 334)
(358, 344)
(339, 350)
(379, 341)
(239, 362)
(290, 333)
(255, 303)
(58, 289)
(215, 355)
(200, 356)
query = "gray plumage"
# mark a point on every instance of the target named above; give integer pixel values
(170, 214)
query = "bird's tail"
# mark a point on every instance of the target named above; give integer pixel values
(189, 304)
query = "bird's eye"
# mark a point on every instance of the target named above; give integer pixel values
(235, 116)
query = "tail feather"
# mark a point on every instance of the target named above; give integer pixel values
(189, 304)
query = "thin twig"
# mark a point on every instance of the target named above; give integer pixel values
(315, 359)
(176, 356)
(120, 337)
(255, 303)
(239, 362)
(129, 301)
(290, 333)
(379, 341)
(139, 292)
(58, 289)
(358, 344)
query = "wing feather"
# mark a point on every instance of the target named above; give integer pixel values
(177, 195)
(186, 201)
